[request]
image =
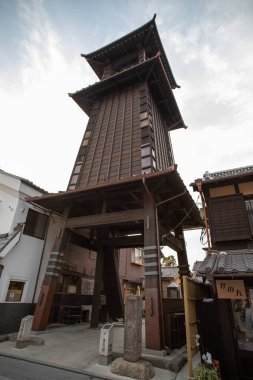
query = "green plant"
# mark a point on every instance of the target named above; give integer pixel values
(169, 261)
(204, 373)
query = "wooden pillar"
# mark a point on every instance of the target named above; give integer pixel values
(111, 283)
(182, 256)
(153, 317)
(97, 287)
(44, 304)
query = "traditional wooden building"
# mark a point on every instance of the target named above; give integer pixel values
(125, 190)
(228, 266)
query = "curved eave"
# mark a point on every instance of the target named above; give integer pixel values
(152, 70)
(146, 35)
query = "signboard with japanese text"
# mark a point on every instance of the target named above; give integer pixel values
(231, 289)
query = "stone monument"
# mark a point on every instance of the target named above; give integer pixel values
(24, 332)
(131, 364)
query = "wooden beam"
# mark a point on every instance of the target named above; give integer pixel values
(106, 218)
(173, 242)
(123, 242)
(81, 241)
(169, 239)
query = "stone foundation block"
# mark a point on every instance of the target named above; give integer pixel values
(104, 360)
(22, 343)
(177, 363)
(141, 370)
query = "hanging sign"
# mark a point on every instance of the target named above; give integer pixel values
(231, 289)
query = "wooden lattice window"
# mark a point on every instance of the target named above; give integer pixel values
(228, 219)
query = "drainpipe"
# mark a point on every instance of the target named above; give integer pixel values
(199, 187)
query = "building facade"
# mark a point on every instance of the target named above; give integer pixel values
(23, 230)
(27, 236)
(228, 202)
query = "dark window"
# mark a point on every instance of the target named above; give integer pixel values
(249, 208)
(146, 162)
(228, 219)
(77, 169)
(145, 151)
(74, 179)
(36, 224)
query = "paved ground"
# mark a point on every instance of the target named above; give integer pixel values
(18, 369)
(75, 347)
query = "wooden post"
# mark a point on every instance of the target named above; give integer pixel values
(182, 256)
(97, 288)
(44, 304)
(111, 283)
(187, 327)
(153, 317)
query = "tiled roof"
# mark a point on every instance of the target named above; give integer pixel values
(170, 272)
(236, 262)
(227, 173)
(24, 180)
(147, 34)
(196, 265)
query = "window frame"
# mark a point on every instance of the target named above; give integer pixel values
(35, 222)
(23, 292)
(137, 259)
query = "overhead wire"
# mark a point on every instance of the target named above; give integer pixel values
(182, 220)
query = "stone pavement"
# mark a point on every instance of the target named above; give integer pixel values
(75, 347)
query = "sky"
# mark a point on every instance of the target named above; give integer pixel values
(209, 47)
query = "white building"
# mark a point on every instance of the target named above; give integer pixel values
(27, 237)
(23, 252)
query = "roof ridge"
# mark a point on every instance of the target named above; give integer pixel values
(229, 172)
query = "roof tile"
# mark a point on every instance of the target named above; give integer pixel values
(227, 262)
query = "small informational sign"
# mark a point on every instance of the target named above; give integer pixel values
(231, 289)
(106, 337)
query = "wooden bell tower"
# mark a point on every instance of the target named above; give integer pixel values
(124, 190)
(131, 111)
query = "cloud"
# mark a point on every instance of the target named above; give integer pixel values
(38, 115)
(212, 60)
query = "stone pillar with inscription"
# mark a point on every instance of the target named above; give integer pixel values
(131, 365)
(24, 331)
(133, 329)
